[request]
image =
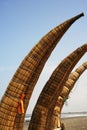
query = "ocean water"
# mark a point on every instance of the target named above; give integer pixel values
(73, 114)
(63, 115)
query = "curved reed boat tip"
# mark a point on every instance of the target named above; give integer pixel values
(82, 14)
(78, 16)
(27, 75)
(49, 95)
(69, 84)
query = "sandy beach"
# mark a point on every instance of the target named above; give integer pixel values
(75, 123)
(72, 123)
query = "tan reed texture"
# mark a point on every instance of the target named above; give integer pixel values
(69, 84)
(26, 76)
(45, 105)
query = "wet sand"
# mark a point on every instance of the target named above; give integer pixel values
(71, 123)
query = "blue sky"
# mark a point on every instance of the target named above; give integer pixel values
(23, 23)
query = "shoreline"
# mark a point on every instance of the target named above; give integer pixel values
(71, 123)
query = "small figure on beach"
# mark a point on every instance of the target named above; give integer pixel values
(62, 127)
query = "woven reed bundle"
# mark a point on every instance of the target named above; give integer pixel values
(56, 117)
(26, 76)
(44, 108)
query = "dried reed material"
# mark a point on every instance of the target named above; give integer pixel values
(44, 108)
(56, 117)
(26, 76)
